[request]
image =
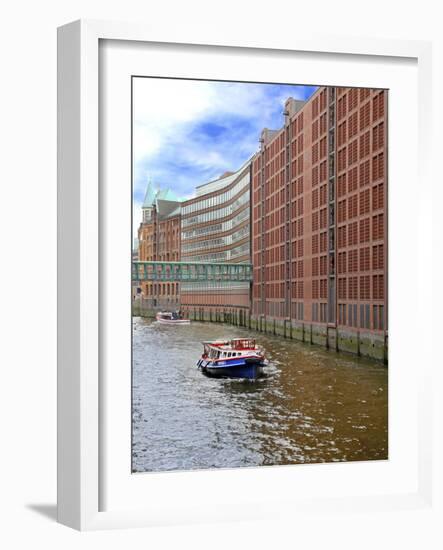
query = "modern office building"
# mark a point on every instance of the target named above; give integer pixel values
(319, 221)
(159, 240)
(215, 228)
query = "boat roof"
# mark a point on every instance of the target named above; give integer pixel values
(226, 345)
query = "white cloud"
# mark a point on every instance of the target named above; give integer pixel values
(168, 114)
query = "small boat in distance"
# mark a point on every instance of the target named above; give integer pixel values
(237, 358)
(171, 318)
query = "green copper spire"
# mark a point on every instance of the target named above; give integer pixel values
(149, 195)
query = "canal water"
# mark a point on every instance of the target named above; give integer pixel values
(313, 405)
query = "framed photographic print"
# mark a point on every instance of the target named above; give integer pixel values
(230, 264)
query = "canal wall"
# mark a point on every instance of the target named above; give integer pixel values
(357, 342)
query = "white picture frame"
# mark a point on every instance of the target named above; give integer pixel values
(80, 411)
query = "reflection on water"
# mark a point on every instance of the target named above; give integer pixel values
(314, 405)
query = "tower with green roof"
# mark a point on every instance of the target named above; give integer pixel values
(148, 202)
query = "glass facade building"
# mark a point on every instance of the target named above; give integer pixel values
(215, 227)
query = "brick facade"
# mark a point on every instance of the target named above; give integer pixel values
(319, 212)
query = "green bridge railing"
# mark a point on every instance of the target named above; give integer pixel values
(190, 271)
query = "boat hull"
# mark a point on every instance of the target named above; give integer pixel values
(241, 368)
(174, 321)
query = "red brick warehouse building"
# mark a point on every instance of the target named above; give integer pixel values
(159, 240)
(319, 222)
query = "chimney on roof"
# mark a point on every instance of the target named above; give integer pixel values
(292, 106)
(266, 136)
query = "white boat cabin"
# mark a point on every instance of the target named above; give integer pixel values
(225, 349)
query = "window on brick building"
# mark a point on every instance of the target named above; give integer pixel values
(315, 267)
(315, 289)
(364, 230)
(377, 166)
(323, 123)
(364, 202)
(378, 287)
(341, 211)
(322, 151)
(342, 240)
(342, 159)
(315, 130)
(353, 288)
(315, 244)
(300, 225)
(365, 116)
(353, 152)
(300, 186)
(341, 110)
(364, 145)
(353, 98)
(323, 194)
(364, 173)
(300, 294)
(323, 218)
(352, 206)
(342, 288)
(324, 290)
(322, 100)
(315, 198)
(378, 196)
(323, 265)
(353, 125)
(352, 260)
(300, 206)
(315, 153)
(378, 136)
(364, 259)
(323, 241)
(342, 262)
(378, 106)
(342, 133)
(300, 248)
(341, 187)
(365, 287)
(315, 107)
(352, 180)
(323, 171)
(315, 221)
(378, 259)
(364, 93)
(377, 227)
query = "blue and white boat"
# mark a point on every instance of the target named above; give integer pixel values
(237, 358)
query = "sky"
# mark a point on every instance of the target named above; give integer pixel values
(188, 132)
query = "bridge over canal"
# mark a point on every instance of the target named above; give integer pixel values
(190, 272)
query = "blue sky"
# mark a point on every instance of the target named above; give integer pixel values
(189, 132)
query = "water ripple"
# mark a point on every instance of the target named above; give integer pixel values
(313, 406)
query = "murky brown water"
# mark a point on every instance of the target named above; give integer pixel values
(314, 405)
